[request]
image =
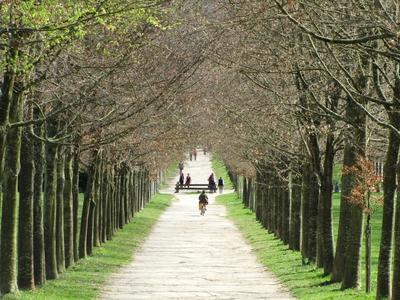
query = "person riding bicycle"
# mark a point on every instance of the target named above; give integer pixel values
(203, 202)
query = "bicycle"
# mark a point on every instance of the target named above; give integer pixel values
(203, 209)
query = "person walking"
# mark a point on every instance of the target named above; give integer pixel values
(203, 202)
(211, 183)
(181, 179)
(188, 180)
(221, 185)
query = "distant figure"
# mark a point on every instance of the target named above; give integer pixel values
(194, 154)
(221, 185)
(181, 179)
(205, 150)
(180, 166)
(211, 183)
(188, 180)
(203, 202)
(190, 156)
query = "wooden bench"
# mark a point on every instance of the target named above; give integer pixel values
(196, 186)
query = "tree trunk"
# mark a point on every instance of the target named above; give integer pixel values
(320, 237)
(396, 254)
(351, 275)
(338, 263)
(110, 210)
(38, 208)
(121, 200)
(105, 204)
(116, 198)
(75, 203)
(389, 188)
(305, 199)
(326, 199)
(90, 228)
(68, 209)
(60, 211)
(83, 236)
(50, 212)
(126, 196)
(368, 248)
(347, 257)
(313, 216)
(25, 218)
(250, 193)
(6, 98)
(295, 212)
(8, 238)
(315, 241)
(96, 205)
(244, 195)
(354, 149)
(285, 214)
(258, 204)
(132, 192)
(267, 196)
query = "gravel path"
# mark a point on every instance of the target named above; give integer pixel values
(188, 256)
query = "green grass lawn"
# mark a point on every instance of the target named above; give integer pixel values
(305, 281)
(85, 279)
(220, 171)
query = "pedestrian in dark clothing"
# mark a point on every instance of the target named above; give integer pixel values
(188, 180)
(205, 150)
(211, 183)
(221, 185)
(181, 179)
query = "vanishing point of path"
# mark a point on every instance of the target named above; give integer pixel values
(188, 256)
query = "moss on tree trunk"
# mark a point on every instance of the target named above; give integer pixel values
(8, 242)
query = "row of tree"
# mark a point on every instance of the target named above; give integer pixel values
(87, 88)
(302, 86)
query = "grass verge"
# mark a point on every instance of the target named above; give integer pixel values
(304, 281)
(221, 171)
(85, 279)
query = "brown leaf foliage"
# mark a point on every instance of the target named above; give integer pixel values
(366, 181)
